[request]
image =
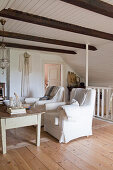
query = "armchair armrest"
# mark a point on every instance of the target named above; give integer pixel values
(77, 112)
(54, 106)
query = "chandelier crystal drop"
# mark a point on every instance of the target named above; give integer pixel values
(4, 61)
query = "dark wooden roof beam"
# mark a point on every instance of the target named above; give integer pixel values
(45, 40)
(30, 47)
(97, 6)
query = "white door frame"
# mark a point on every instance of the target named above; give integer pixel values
(51, 62)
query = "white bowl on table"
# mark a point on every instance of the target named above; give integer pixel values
(6, 102)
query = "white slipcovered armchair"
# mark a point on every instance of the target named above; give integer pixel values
(72, 121)
(56, 95)
(53, 94)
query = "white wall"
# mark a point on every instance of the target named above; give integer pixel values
(4, 75)
(37, 75)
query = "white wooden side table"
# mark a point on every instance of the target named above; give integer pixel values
(7, 121)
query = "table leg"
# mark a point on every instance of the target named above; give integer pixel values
(3, 135)
(38, 129)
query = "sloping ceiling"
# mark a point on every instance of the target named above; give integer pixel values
(100, 61)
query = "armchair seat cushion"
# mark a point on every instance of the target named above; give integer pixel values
(31, 100)
(45, 98)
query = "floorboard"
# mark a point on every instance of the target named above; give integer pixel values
(86, 153)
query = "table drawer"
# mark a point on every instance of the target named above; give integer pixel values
(21, 121)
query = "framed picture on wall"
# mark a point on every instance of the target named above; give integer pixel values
(78, 79)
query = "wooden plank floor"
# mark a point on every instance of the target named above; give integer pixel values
(94, 152)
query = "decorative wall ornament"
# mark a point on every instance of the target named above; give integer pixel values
(25, 68)
(72, 79)
(4, 61)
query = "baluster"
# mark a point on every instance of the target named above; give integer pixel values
(112, 109)
(102, 104)
(94, 113)
(98, 102)
(109, 97)
(107, 103)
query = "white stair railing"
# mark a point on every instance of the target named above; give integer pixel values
(104, 103)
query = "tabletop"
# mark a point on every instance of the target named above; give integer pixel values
(32, 111)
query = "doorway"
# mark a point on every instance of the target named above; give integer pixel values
(52, 75)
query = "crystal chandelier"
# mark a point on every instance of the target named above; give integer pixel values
(4, 62)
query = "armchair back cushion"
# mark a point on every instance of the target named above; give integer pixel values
(54, 91)
(79, 95)
(49, 90)
(90, 98)
(60, 94)
(50, 93)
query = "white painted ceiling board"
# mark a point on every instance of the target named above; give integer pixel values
(6, 3)
(9, 3)
(3, 4)
(108, 1)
